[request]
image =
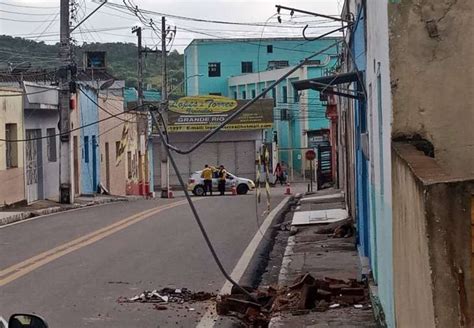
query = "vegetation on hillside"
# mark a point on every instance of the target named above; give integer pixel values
(121, 59)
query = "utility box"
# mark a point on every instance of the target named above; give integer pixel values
(95, 60)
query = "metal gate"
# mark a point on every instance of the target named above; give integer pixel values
(324, 165)
(237, 156)
(33, 165)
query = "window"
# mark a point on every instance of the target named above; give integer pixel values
(269, 49)
(214, 69)
(284, 94)
(253, 93)
(296, 96)
(235, 94)
(313, 62)
(247, 67)
(86, 149)
(215, 94)
(117, 149)
(11, 147)
(51, 144)
(244, 94)
(129, 164)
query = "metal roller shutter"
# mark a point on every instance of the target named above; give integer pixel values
(226, 155)
(205, 154)
(238, 157)
(245, 161)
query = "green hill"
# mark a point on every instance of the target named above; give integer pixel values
(121, 59)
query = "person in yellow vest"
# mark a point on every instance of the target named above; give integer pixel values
(222, 177)
(207, 176)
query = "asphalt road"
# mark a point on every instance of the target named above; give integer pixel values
(72, 267)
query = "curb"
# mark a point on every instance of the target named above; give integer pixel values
(20, 216)
(258, 263)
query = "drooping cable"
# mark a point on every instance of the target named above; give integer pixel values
(194, 211)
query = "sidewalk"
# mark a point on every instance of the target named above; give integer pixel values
(313, 249)
(44, 207)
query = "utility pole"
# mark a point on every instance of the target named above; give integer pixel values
(165, 168)
(65, 171)
(138, 31)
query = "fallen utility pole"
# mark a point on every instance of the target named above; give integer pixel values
(65, 169)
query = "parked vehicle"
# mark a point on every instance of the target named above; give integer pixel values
(242, 185)
(23, 321)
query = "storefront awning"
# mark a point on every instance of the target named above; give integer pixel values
(324, 84)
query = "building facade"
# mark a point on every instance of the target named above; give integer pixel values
(41, 116)
(297, 115)
(210, 62)
(410, 193)
(242, 68)
(12, 173)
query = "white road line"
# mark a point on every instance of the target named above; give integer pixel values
(209, 318)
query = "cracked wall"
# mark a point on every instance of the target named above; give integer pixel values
(432, 77)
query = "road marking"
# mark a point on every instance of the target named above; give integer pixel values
(55, 213)
(20, 269)
(210, 317)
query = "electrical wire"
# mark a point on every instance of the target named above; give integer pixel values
(23, 93)
(75, 129)
(194, 211)
(100, 107)
(25, 6)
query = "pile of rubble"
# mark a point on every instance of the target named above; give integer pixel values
(168, 295)
(304, 295)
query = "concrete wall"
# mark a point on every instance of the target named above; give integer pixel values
(432, 77)
(110, 132)
(432, 243)
(46, 119)
(12, 179)
(412, 281)
(379, 117)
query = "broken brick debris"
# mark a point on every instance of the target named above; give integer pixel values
(168, 295)
(304, 295)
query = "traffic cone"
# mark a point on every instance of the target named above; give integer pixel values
(233, 189)
(288, 189)
(170, 193)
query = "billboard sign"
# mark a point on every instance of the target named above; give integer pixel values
(203, 113)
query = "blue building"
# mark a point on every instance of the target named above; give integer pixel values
(243, 68)
(208, 63)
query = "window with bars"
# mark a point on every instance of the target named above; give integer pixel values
(214, 69)
(51, 145)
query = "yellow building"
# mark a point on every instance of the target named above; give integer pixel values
(12, 173)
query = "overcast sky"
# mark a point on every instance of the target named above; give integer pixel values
(38, 19)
